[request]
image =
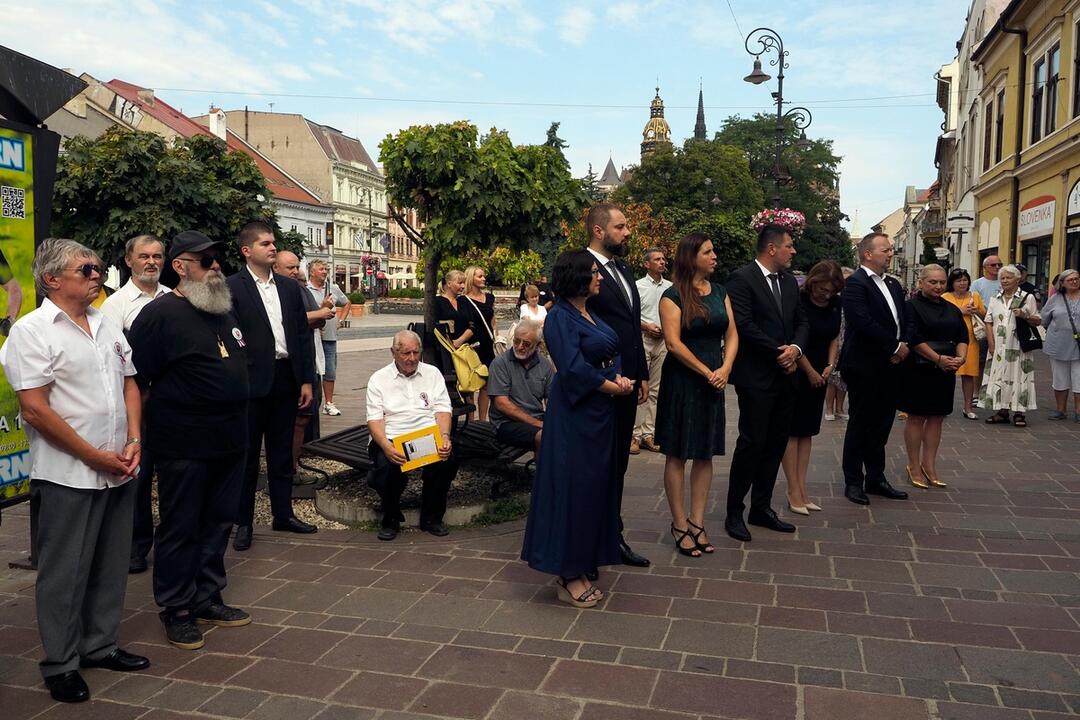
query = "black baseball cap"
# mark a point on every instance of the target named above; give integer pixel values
(191, 241)
(1021, 267)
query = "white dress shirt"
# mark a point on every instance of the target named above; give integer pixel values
(125, 304)
(879, 282)
(602, 261)
(406, 403)
(272, 302)
(85, 375)
(650, 292)
(768, 283)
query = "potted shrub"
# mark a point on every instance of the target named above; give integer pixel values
(357, 299)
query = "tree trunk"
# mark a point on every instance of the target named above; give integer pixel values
(431, 289)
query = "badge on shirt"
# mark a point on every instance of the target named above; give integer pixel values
(424, 397)
(119, 349)
(239, 337)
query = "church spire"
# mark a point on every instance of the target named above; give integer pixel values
(699, 126)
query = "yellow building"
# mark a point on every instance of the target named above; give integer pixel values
(1028, 151)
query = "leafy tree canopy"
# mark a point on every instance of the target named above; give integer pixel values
(647, 230)
(127, 183)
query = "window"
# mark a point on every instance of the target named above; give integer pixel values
(1076, 72)
(292, 229)
(1039, 84)
(1072, 248)
(1044, 94)
(999, 126)
(1053, 61)
(988, 127)
(310, 235)
(318, 235)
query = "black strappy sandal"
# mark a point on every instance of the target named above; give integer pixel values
(707, 547)
(679, 536)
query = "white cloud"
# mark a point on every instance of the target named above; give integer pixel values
(575, 25)
(273, 10)
(291, 72)
(326, 69)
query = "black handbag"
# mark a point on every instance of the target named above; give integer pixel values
(1027, 334)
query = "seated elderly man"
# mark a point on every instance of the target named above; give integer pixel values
(405, 396)
(518, 384)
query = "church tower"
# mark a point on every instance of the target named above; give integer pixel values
(657, 132)
(699, 126)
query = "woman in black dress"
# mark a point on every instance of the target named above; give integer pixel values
(937, 335)
(820, 297)
(702, 343)
(449, 312)
(481, 308)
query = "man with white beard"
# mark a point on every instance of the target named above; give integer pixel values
(193, 367)
(518, 386)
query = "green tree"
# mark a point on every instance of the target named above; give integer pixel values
(128, 183)
(474, 192)
(590, 184)
(811, 185)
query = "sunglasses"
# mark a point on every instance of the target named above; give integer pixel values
(206, 261)
(88, 269)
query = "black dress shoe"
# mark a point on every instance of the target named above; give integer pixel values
(388, 532)
(68, 687)
(769, 519)
(884, 489)
(629, 557)
(242, 541)
(855, 494)
(437, 529)
(118, 660)
(736, 528)
(592, 575)
(137, 565)
(294, 524)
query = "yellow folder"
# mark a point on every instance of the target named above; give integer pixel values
(420, 447)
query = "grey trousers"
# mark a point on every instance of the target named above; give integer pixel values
(83, 547)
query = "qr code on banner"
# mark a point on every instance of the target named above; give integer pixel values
(13, 202)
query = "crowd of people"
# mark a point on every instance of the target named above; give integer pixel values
(195, 384)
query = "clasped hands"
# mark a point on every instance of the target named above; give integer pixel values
(717, 379)
(787, 357)
(900, 355)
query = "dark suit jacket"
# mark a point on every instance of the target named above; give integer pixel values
(871, 335)
(763, 328)
(259, 338)
(624, 320)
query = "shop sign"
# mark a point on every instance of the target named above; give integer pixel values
(1037, 218)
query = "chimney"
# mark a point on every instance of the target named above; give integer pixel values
(146, 95)
(217, 122)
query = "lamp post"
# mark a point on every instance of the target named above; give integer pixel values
(763, 40)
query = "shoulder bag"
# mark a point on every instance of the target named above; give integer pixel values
(1028, 336)
(497, 341)
(1072, 323)
(471, 373)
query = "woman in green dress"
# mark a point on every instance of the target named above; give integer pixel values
(701, 340)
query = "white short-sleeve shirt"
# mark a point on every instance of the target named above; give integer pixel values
(406, 403)
(125, 304)
(85, 375)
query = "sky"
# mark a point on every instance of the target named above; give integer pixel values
(864, 68)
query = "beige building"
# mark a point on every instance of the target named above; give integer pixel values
(403, 253)
(340, 171)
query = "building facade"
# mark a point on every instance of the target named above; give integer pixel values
(404, 255)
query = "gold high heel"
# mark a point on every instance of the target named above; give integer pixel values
(917, 483)
(932, 480)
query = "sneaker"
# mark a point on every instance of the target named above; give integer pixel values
(829, 417)
(649, 444)
(842, 416)
(182, 632)
(635, 446)
(222, 616)
(331, 409)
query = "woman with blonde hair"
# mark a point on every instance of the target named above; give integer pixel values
(481, 307)
(449, 311)
(1009, 384)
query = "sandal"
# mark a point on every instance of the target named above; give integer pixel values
(679, 536)
(707, 547)
(581, 601)
(970, 415)
(997, 419)
(1019, 420)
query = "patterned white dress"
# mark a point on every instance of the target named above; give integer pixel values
(1009, 382)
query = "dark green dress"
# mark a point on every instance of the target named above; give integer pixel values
(689, 413)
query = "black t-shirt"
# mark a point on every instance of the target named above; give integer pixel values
(197, 404)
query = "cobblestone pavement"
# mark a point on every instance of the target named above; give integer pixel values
(960, 604)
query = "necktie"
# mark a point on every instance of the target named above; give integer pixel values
(775, 283)
(615, 274)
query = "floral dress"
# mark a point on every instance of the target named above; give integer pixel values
(1009, 382)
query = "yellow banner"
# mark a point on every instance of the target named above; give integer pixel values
(16, 297)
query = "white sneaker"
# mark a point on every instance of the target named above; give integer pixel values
(331, 409)
(829, 417)
(842, 416)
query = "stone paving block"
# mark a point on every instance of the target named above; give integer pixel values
(792, 618)
(1016, 562)
(820, 677)
(1011, 614)
(299, 645)
(865, 682)
(233, 703)
(969, 693)
(460, 701)
(608, 627)
(1055, 641)
(310, 597)
(923, 688)
(380, 654)
(656, 585)
(392, 692)
(550, 648)
(407, 581)
(374, 603)
(450, 611)
(211, 668)
(304, 620)
(704, 664)
(868, 625)
(938, 541)
(181, 696)
(906, 606)
(729, 697)
(1039, 582)
(963, 634)
(788, 564)
(1033, 671)
(278, 707)
(530, 706)
(1011, 697)
(911, 659)
(418, 562)
(830, 704)
(309, 553)
(598, 653)
(300, 572)
(462, 587)
(547, 621)
(23, 703)
(702, 638)
(246, 591)
(972, 578)
(637, 604)
(492, 641)
(488, 668)
(338, 623)
(737, 592)
(800, 647)
(657, 659)
(713, 611)
(753, 670)
(603, 711)
(382, 628)
(871, 552)
(279, 676)
(954, 711)
(599, 681)
(426, 633)
(354, 557)
(821, 599)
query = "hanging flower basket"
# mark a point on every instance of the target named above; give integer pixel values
(791, 220)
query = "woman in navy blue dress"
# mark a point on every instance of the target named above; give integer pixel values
(573, 524)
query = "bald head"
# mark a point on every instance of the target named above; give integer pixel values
(286, 263)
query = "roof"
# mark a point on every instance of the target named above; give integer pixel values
(339, 146)
(278, 181)
(610, 176)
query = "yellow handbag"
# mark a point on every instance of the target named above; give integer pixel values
(471, 373)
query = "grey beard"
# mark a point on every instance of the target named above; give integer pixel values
(147, 278)
(211, 295)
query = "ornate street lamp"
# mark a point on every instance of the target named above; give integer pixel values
(763, 40)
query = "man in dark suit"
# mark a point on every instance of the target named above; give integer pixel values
(869, 363)
(619, 305)
(772, 332)
(273, 320)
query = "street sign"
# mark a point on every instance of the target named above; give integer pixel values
(954, 220)
(369, 270)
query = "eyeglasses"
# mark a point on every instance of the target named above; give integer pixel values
(994, 265)
(205, 261)
(88, 269)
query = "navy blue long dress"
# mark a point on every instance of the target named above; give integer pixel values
(573, 524)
